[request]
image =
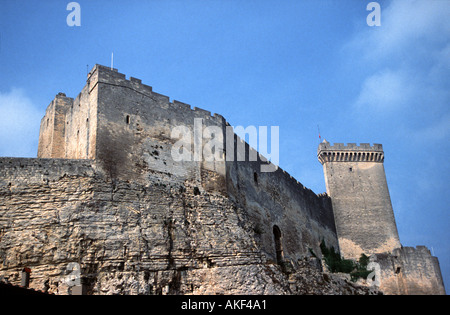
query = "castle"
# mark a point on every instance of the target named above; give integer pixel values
(105, 209)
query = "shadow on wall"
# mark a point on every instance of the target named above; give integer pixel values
(112, 154)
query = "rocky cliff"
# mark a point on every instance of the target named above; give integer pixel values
(165, 237)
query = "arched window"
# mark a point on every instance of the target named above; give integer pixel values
(278, 247)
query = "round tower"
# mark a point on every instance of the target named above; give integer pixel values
(356, 182)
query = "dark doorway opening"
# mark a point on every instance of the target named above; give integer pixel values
(278, 247)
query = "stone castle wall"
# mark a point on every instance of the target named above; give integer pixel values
(410, 271)
(106, 194)
(135, 126)
(69, 127)
(277, 199)
(139, 222)
(52, 142)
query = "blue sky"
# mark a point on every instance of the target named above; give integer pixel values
(294, 64)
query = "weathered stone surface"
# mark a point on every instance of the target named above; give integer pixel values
(134, 220)
(409, 271)
(129, 238)
(356, 182)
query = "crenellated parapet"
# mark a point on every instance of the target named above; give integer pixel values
(339, 152)
(112, 77)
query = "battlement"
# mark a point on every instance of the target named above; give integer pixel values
(325, 145)
(105, 75)
(339, 152)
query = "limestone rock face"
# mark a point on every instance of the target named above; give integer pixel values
(66, 221)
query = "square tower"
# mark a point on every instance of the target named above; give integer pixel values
(356, 182)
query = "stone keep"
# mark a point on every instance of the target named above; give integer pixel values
(356, 182)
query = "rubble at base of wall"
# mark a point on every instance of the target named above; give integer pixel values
(311, 281)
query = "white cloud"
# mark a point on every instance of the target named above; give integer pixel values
(19, 125)
(407, 27)
(385, 91)
(409, 61)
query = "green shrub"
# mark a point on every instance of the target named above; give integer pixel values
(355, 275)
(335, 263)
(363, 261)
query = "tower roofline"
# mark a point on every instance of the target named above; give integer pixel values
(339, 152)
